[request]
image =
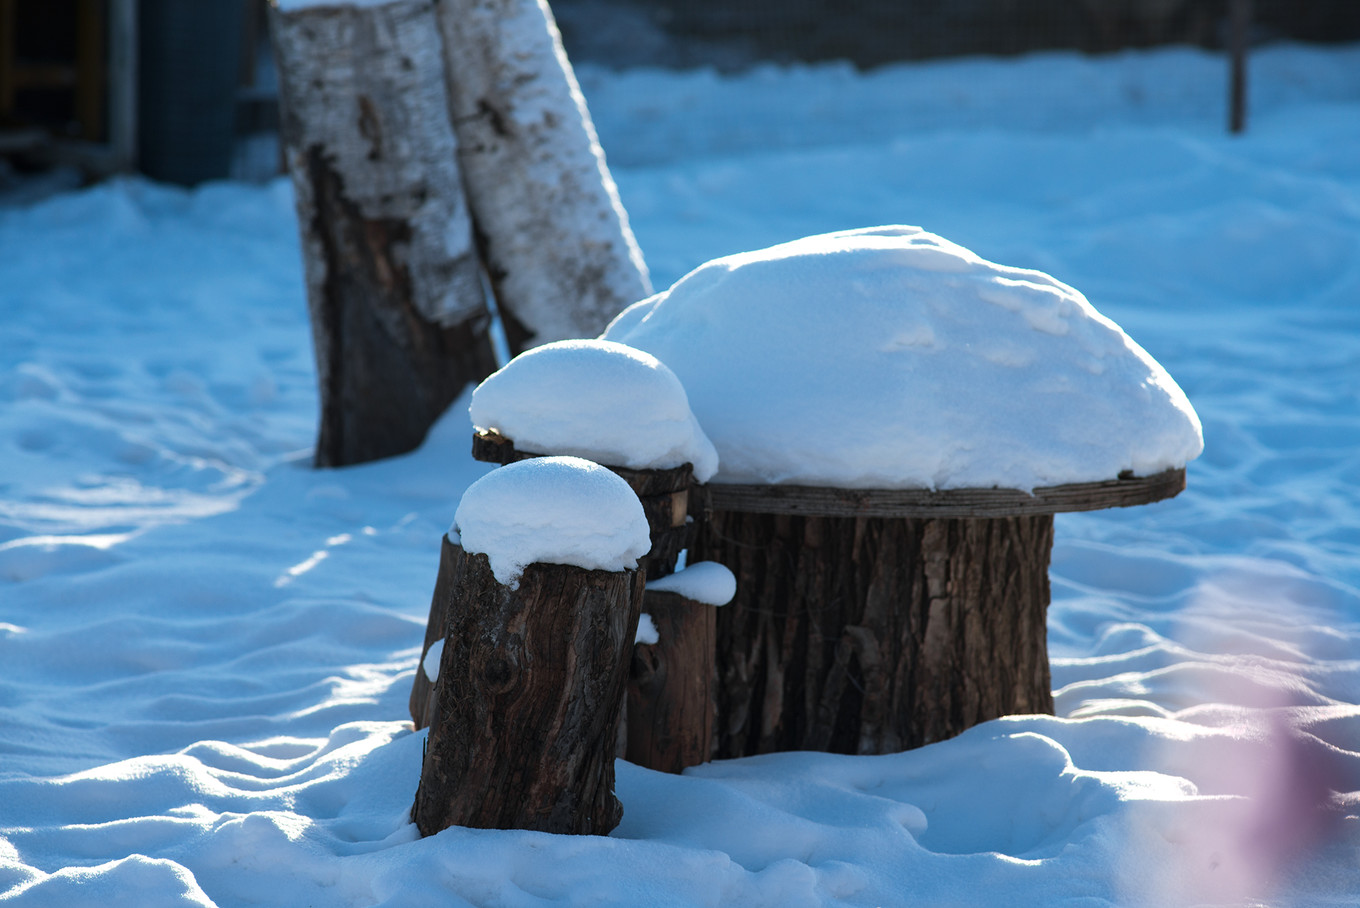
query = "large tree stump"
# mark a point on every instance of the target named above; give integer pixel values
(526, 704)
(561, 256)
(399, 318)
(871, 621)
(670, 686)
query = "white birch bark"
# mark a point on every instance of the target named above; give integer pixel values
(393, 278)
(556, 241)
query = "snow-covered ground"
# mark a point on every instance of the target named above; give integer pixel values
(206, 646)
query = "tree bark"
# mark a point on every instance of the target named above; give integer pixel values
(670, 689)
(560, 254)
(399, 318)
(422, 702)
(526, 705)
(876, 634)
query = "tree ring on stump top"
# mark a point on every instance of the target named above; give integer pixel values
(833, 502)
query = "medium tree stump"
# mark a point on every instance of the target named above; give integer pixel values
(525, 708)
(399, 318)
(665, 682)
(873, 634)
(670, 688)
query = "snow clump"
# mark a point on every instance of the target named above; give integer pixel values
(888, 357)
(647, 634)
(430, 664)
(704, 581)
(553, 510)
(596, 399)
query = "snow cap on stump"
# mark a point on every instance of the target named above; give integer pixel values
(888, 357)
(596, 399)
(704, 581)
(553, 510)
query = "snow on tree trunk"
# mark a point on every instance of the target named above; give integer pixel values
(398, 310)
(524, 712)
(556, 240)
(876, 634)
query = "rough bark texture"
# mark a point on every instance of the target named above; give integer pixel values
(399, 317)
(526, 705)
(873, 635)
(670, 690)
(560, 254)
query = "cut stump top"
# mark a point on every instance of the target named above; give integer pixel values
(1125, 491)
(1121, 492)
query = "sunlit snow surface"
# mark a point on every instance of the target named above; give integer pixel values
(552, 510)
(596, 399)
(206, 647)
(889, 357)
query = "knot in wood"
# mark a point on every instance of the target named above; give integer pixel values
(501, 672)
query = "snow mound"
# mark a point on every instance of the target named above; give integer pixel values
(888, 357)
(553, 510)
(596, 399)
(704, 581)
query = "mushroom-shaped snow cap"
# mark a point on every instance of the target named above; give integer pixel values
(596, 399)
(889, 357)
(554, 510)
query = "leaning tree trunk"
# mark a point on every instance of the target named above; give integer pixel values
(399, 318)
(525, 707)
(876, 634)
(557, 244)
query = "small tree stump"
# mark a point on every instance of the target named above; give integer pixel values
(666, 682)
(670, 688)
(525, 708)
(871, 621)
(399, 318)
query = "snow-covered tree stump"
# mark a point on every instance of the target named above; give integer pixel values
(528, 673)
(561, 256)
(398, 311)
(871, 621)
(611, 404)
(526, 705)
(664, 494)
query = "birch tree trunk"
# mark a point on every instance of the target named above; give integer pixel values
(398, 311)
(556, 241)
